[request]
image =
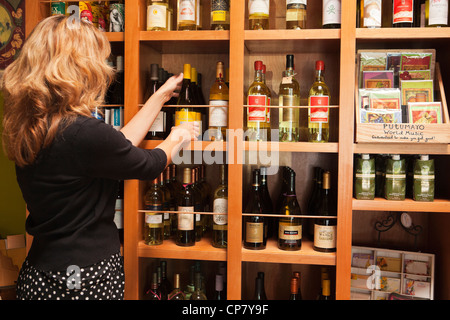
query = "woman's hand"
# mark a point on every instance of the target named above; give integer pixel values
(170, 88)
(185, 133)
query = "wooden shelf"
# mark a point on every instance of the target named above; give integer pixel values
(396, 148)
(196, 145)
(306, 34)
(199, 35)
(329, 147)
(402, 33)
(202, 250)
(307, 255)
(115, 36)
(380, 204)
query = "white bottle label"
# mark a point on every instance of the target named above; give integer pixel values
(153, 218)
(186, 10)
(186, 220)
(372, 13)
(156, 16)
(220, 206)
(258, 6)
(438, 12)
(325, 236)
(331, 13)
(218, 116)
(160, 122)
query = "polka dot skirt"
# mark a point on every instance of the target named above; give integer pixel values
(101, 281)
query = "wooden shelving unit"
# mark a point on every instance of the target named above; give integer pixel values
(238, 48)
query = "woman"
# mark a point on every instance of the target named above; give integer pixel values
(68, 163)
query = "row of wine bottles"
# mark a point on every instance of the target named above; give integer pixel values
(403, 13)
(288, 229)
(394, 177)
(258, 112)
(161, 288)
(190, 197)
(189, 14)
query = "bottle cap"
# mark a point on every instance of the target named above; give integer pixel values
(219, 69)
(258, 65)
(119, 63)
(194, 75)
(187, 71)
(264, 68)
(320, 65)
(326, 180)
(289, 61)
(154, 74)
(219, 282)
(294, 285)
(187, 175)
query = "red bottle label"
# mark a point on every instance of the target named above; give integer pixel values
(257, 113)
(319, 114)
(403, 11)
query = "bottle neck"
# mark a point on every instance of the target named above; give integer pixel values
(290, 186)
(319, 76)
(258, 76)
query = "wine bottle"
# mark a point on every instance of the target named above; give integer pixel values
(314, 200)
(198, 293)
(296, 14)
(436, 13)
(220, 205)
(403, 13)
(289, 95)
(297, 274)
(157, 11)
(257, 100)
(331, 14)
(290, 228)
(197, 100)
(154, 224)
(167, 199)
(260, 292)
(324, 228)
(294, 289)
(258, 14)
(118, 213)
(117, 95)
(165, 285)
(254, 234)
(184, 113)
(218, 110)
(326, 293)
(220, 14)
(219, 292)
(187, 14)
(153, 293)
(158, 129)
(190, 287)
(185, 235)
(198, 206)
(177, 293)
(318, 113)
(370, 11)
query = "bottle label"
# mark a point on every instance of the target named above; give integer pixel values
(257, 114)
(186, 10)
(372, 13)
(218, 116)
(321, 114)
(220, 206)
(438, 12)
(153, 219)
(403, 11)
(184, 116)
(160, 123)
(254, 232)
(325, 236)
(156, 16)
(287, 231)
(186, 220)
(219, 10)
(331, 13)
(58, 8)
(258, 6)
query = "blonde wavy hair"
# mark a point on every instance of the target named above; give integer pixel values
(61, 73)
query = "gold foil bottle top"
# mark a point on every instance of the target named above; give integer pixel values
(187, 175)
(326, 287)
(193, 175)
(219, 69)
(176, 281)
(167, 173)
(187, 71)
(326, 180)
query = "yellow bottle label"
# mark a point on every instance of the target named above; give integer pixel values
(185, 116)
(254, 232)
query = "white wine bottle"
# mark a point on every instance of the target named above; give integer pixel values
(289, 95)
(296, 14)
(157, 15)
(325, 228)
(220, 14)
(258, 99)
(187, 15)
(331, 14)
(436, 13)
(218, 110)
(220, 205)
(258, 14)
(318, 113)
(154, 223)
